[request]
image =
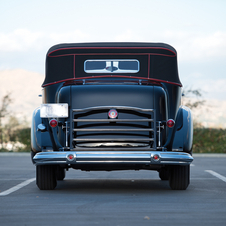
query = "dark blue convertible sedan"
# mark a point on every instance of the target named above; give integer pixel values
(112, 106)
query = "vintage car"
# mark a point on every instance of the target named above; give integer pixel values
(112, 106)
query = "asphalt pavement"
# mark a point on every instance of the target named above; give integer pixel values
(120, 198)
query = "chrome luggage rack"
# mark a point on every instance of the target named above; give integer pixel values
(135, 127)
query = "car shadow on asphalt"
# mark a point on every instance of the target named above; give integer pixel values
(111, 185)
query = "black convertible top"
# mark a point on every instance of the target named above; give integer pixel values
(158, 61)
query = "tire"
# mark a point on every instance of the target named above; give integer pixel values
(164, 174)
(46, 177)
(60, 173)
(179, 177)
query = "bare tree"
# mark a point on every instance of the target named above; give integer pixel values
(6, 101)
(192, 98)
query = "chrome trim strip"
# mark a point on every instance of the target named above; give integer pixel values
(113, 149)
(116, 107)
(135, 157)
(113, 120)
(113, 130)
(113, 139)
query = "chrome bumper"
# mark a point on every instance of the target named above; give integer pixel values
(115, 157)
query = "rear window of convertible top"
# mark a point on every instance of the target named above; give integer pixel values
(112, 66)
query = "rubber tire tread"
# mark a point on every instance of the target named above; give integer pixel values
(46, 177)
(179, 177)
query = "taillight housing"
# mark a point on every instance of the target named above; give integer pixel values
(70, 157)
(156, 157)
(53, 123)
(170, 123)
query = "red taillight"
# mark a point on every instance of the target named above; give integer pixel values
(70, 157)
(156, 157)
(53, 123)
(170, 123)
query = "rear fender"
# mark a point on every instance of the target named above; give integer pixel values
(183, 138)
(39, 140)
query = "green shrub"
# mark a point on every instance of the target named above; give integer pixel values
(18, 140)
(208, 140)
(24, 136)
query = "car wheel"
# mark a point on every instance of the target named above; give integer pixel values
(46, 177)
(60, 173)
(179, 177)
(164, 174)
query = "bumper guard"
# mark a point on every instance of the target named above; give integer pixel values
(113, 157)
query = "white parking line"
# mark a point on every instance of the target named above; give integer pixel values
(216, 175)
(17, 187)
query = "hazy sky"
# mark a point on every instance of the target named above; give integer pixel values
(195, 28)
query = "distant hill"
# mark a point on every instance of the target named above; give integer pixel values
(24, 86)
